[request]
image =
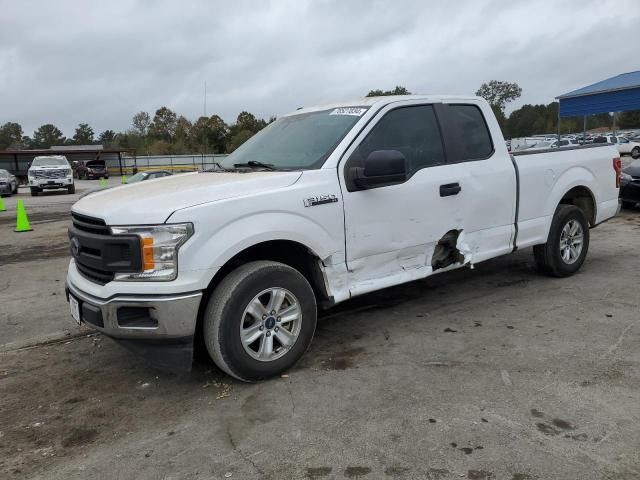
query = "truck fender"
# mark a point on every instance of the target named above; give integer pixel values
(568, 180)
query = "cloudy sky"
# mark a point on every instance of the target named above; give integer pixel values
(67, 61)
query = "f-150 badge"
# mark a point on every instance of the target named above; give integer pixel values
(320, 200)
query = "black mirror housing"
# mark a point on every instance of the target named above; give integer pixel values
(381, 168)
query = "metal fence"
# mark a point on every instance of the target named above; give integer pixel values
(176, 163)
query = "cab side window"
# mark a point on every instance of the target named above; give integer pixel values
(413, 131)
(467, 132)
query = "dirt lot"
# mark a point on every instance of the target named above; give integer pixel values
(495, 373)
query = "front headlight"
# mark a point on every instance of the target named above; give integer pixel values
(625, 177)
(159, 246)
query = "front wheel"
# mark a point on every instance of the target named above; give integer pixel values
(567, 244)
(260, 320)
(635, 153)
(34, 192)
(71, 188)
(15, 189)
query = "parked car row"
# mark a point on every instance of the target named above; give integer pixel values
(624, 145)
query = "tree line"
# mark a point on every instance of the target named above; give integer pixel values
(163, 134)
(167, 133)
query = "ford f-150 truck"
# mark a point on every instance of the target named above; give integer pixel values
(324, 204)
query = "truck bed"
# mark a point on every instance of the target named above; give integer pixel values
(541, 189)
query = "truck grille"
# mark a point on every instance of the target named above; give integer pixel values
(49, 174)
(90, 224)
(98, 254)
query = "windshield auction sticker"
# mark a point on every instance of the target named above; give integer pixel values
(356, 111)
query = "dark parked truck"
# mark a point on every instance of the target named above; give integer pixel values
(324, 204)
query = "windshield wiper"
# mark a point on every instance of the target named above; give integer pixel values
(254, 164)
(215, 164)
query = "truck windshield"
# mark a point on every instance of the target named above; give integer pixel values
(48, 161)
(297, 142)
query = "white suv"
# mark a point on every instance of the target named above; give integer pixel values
(623, 144)
(50, 172)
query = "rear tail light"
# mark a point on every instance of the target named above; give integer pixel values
(617, 166)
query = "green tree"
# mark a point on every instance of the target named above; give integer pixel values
(141, 122)
(238, 139)
(10, 135)
(209, 135)
(498, 93)
(47, 135)
(164, 125)
(84, 135)
(245, 127)
(107, 138)
(248, 121)
(183, 129)
(399, 90)
(629, 119)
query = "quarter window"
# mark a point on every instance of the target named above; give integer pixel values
(411, 130)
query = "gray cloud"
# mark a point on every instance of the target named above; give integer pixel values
(100, 62)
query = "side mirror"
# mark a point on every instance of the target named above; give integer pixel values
(381, 168)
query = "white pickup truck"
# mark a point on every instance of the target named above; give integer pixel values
(324, 204)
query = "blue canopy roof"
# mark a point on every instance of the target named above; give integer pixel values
(615, 94)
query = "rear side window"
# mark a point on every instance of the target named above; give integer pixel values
(467, 133)
(413, 131)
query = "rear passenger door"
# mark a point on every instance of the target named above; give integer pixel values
(450, 196)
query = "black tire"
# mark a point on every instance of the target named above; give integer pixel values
(548, 257)
(224, 314)
(15, 190)
(34, 192)
(635, 152)
(72, 188)
(627, 204)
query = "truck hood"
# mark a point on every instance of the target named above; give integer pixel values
(153, 201)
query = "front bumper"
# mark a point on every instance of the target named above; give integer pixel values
(51, 183)
(160, 327)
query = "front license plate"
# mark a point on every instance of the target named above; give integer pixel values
(75, 309)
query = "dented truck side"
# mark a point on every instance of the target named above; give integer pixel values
(394, 189)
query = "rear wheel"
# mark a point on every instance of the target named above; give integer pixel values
(635, 153)
(260, 320)
(567, 244)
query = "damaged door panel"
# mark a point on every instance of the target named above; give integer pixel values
(410, 229)
(446, 252)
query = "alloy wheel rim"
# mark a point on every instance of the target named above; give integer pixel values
(270, 324)
(571, 241)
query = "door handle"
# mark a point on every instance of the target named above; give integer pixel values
(450, 189)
